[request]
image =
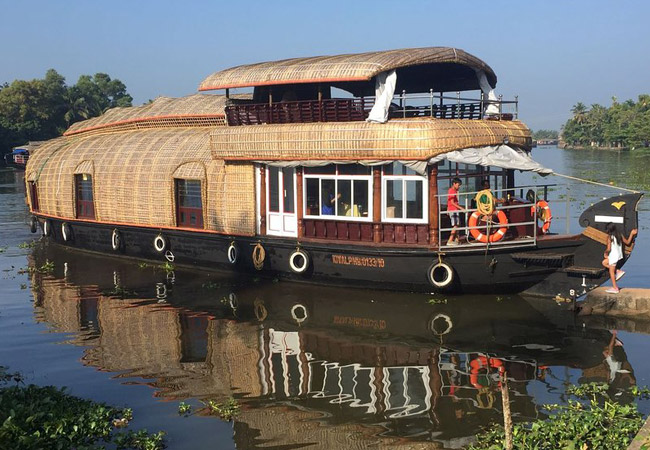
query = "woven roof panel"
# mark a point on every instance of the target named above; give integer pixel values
(162, 108)
(351, 67)
(405, 139)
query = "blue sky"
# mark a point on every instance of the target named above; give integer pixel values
(550, 53)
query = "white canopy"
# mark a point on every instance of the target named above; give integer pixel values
(502, 156)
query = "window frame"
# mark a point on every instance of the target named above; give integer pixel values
(404, 178)
(79, 203)
(336, 178)
(200, 225)
(33, 196)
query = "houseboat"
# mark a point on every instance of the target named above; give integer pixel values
(17, 158)
(330, 169)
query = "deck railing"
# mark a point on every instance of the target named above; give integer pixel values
(357, 109)
(522, 227)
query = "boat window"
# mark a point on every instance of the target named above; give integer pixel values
(189, 204)
(33, 195)
(398, 168)
(343, 193)
(274, 186)
(404, 198)
(84, 196)
(329, 169)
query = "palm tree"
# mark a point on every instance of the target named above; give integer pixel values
(579, 110)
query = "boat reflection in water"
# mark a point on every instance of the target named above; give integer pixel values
(321, 365)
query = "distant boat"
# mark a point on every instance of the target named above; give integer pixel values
(17, 158)
(19, 155)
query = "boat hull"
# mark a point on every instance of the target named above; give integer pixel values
(493, 270)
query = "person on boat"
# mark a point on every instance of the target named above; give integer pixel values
(329, 200)
(453, 208)
(614, 253)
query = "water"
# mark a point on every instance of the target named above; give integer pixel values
(310, 366)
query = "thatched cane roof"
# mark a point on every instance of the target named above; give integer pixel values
(194, 110)
(418, 70)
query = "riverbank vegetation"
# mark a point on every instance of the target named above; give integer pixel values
(42, 109)
(594, 418)
(539, 135)
(34, 417)
(622, 125)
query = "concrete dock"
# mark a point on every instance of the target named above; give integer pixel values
(628, 310)
(629, 302)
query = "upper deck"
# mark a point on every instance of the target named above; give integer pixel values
(342, 88)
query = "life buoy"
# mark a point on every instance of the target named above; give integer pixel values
(301, 316)
(66, 232)
(160, 243)
(232, 253)
(33, 224)
(483, 363)
(485, 238)
(259, 255)
(116, 240)
(299, 261)
(260, 310)
(47, 227)
(438, 331)
(543, 213)
(441, 275)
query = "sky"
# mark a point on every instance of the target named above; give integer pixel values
(552, 54)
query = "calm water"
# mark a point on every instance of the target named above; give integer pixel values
(311, 367)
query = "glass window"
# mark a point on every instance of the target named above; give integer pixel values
(404, 195)
(84, 194)
(288, 194)
(274, 186)
(394, 199)
(341, 191)
(344, 197)
(312, 197)
(397, 168)
(189, 203)
(329, 169)
(353, 169)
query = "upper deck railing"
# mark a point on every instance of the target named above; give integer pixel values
(357, 109)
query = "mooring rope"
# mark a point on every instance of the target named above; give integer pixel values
(596, 183)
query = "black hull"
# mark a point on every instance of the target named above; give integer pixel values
(496, 270)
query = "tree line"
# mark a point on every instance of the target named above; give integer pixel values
(544, 134)
(622, 125)
(42, 109)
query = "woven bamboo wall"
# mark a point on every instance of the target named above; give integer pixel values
(415, 139)
(133, 178)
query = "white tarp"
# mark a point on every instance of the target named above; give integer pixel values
(384, 90)
(502, 156)
(492, 108)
